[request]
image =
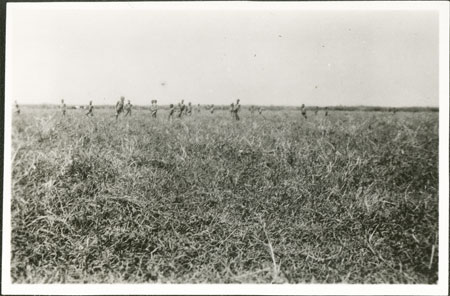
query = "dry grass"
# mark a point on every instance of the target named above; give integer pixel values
(348, 198)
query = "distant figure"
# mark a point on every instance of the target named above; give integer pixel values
(154, 108)
(17, 108)
(260, 110)
(128, 108)
(119, 106)
(179, 109)
(304, 111)
(232, 110)
(182, 108)
(316, 110)
(395, 110)
(90, 108)
(252, 109)
(63, 108)
(198, 108)
(171, 112)
(212, 109)
(237, 108)
(189, 109)
(326, 111)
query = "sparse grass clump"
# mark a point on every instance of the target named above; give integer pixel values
(352, 197)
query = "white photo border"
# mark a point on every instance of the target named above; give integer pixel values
(441, 288)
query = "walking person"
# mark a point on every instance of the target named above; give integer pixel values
(326, 111)
(128, 108)
(154, 108)
(90, 108)
(189, 109)
(63, 108)
(119, 106)
(171, 112)
(182, 108)
(236, 110)
(17, 108)
(212, 109)
(304, 111)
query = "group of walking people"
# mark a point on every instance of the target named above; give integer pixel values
(120, 107)
(181, 110)
(178, 111)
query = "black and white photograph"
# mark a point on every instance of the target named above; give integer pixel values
(226, 148)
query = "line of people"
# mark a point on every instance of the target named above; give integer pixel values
(180, 110)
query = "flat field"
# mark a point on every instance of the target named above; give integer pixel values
(352, 197)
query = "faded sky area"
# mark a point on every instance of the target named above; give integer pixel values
(261, 56)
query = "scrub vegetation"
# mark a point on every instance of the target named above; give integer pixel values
(272, 198)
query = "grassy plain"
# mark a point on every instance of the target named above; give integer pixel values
(352, 197)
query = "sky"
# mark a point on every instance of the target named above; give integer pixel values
(215, 56)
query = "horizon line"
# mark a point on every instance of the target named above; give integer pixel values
(265, 105)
